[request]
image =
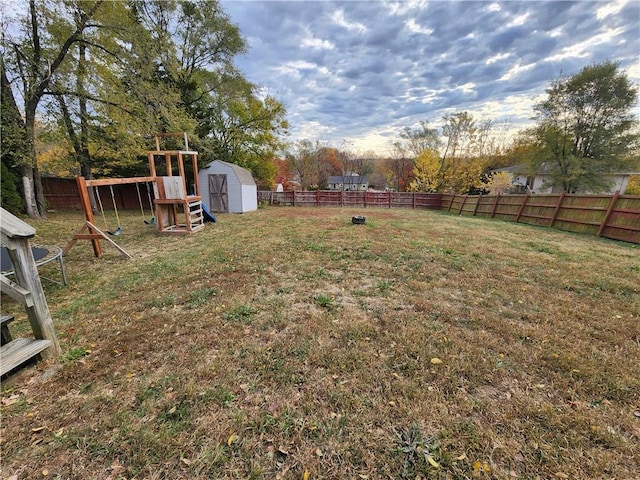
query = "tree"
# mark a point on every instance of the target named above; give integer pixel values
(302, 161)
(36, 56)
(585, 127)
(236, 125)
(428, 176)
(415, 141)
(633, 187)
(12, 148)
(498, 182)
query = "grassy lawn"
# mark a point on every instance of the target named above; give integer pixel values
(289, 343)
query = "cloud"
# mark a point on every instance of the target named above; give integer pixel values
(365, 70)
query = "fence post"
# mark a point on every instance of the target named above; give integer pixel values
(464, 201)
(453, 197)
(557, 209)
(294, 198)
(614, 200)
(317, 198)
(495, 206)
(475, 209)
(389, 195)
(524, 202)
(413, 200)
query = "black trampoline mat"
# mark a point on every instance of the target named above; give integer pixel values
(5, 264)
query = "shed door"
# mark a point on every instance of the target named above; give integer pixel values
(218, 199)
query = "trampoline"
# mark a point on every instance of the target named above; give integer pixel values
(42, 254)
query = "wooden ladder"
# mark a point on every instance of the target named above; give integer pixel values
(196, 217)
(14, 353)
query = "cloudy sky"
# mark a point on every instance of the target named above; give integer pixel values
(360, 71)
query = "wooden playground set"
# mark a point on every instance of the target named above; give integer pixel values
(176, 211)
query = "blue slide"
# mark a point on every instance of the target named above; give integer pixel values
(208, 216)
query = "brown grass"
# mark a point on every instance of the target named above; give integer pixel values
(285, 341)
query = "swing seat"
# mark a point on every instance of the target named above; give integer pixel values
(116, 232)
(151, 222)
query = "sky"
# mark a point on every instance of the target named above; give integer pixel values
(355, 73)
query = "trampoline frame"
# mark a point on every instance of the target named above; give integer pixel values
(54, 253)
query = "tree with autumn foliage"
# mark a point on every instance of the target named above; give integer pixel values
(427, 173)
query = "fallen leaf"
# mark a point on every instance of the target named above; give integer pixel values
(306, 475)
(436, 361)
(232, 438)
(461, 457)
(432, 462)
(186, 461)
(319, 452)
(37, 429)
(561, 475)
(10, 400)
(173, 410)
(637, 413)
(45, 472)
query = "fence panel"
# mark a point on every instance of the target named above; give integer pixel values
(508, 207)
(354, 199)
(427, 201)
(624, 220)
(402, 200)
(582, 213)
(539, 210)
(379, 199)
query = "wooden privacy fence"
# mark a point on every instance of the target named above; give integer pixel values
(327, 198)
(612, 216)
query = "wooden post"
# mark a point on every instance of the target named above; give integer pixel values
(475, 209)
(453, 197)
(556, 210)
(194, 163)
(614, 200)
(167, 159)
(389, 193)
(495, 206)
(182, 174)
(524, 202)
(464, 201)
(88, 213)
(152, 163)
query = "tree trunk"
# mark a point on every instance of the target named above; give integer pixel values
(30, 205)
(33, 199)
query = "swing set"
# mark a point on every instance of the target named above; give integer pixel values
(175, 211)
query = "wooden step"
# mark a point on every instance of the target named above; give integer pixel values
(19, 351)
(4, 327)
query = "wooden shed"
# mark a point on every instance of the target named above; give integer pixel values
(227, 188)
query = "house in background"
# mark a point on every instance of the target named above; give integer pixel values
(349, 182)
(227, 188)
(540, 182)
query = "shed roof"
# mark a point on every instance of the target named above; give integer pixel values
(243, 174)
